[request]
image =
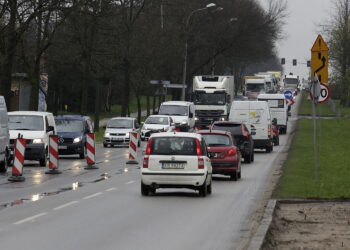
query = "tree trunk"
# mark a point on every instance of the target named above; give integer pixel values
(126, 88)
(154, 105)
(138, 100)
(97, 107)
(148, 106)
(34, 93)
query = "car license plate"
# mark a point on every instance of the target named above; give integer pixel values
(62, 147)
(173, 165)
(117, 139)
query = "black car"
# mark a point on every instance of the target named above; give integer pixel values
(241, 135)
(71, 131)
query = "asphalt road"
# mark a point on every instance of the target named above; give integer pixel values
(103, 208)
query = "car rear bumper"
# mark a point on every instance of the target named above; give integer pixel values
(262, 143)
(174, 179)
(120, 142)
(224, 167)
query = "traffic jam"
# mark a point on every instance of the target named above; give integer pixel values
(183, 145)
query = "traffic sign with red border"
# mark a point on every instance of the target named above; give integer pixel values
(325, 93)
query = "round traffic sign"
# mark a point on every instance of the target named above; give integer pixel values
(288, 94)
(325, 93)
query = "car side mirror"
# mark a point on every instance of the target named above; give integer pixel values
(190, 115)
(50, 128)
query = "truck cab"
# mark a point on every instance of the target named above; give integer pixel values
(253, 86)
(212, 97)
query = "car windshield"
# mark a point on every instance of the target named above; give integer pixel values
(173, 146)
(234, 129)
(216, 140)
(291, 81)
(210, 99)
(274, 103)
(120, 123)
(26, 122)
(255, 87)
(175, 110)
(65, 125)
(157, 120)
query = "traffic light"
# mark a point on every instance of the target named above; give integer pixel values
(283, 61)
(308, 63)
(294, 62)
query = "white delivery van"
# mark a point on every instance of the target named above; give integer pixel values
(256, 114)
(36, 127)
(4, 136)
(181, 112)
(278, 109)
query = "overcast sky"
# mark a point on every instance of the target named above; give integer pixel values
(301, 29)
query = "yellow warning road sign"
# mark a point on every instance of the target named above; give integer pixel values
(319, 60)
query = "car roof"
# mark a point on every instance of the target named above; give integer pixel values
(38, 113)
(271, 96)
(215, 132)
(177, 134)
(158, 116)
(72, 117)
(120, 117)
(182, 103)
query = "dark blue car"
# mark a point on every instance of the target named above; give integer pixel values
(71, 131)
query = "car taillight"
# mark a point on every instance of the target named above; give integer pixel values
(200, 163)
(149, 144)
(145, 161)
(269, 131)
(245, 133)
(198, 147)
(231, 152)
(162, 130)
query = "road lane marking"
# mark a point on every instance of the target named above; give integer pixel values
(129, 182)
(92, 196)
(110, 189)
(65, 205)
(29, 218)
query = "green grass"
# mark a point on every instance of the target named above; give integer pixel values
(334, 162)
(99, 135)
(323, 109)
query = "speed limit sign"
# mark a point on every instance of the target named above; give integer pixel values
(324, 93)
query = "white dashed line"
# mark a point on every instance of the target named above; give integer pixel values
(32, 218)
(111, 189)
(129, 182)
(65, 205)
(92, 196)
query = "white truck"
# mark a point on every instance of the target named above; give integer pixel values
(253, 86)
(271, 81)
(212, 96)
(291, 82)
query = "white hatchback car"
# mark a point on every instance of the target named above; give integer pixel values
(155, 124)
(176, 160)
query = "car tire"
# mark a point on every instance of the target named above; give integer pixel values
(277, 141)
(253, 156)
(209, 188)
(144, 189)
(82, 154)
(142, 139)
(269, 149)
(139, 143)
(234, 176)
(105, 145)
(239, 174)
(248, 158)
(3, 166)
(43, 161)
(203, 189)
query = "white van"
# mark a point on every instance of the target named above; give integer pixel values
(181, 112)
(35, 127)
(278, 109)
(4, 136)
(256, 114)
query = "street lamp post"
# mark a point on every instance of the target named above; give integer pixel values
(184, 71)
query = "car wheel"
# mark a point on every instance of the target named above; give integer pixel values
(248, 158)
(239, 174)
(209, 188)
(142, 139)
(43, 161)
(203, 189)
(252, 156)
(105, 145)
(277, 141)
(234, 176)
(144, 189)
(3, 166)
(139, 143)
(268, 149)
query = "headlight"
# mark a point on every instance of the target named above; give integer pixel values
(222, 118)
(196, 118)
(38, 141)
(107, 134)
(76, 140)
(128, 134)
(184, 122)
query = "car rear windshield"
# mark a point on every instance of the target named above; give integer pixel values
(26, 122)
(217, 140)
(120, 123)
(66, 125)
(173, 146)
(234, 129)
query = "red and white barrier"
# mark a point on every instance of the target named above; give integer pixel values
(17, 168)
(133, 148)
(53, 155)
(90, 151)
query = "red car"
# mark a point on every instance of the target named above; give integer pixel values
(224, 154)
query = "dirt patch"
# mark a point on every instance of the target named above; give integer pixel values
(309, 225)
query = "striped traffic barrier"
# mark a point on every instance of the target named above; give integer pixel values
(53, 155)
(17, 168)
(133, 148)
(90, 151)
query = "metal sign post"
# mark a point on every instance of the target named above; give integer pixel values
(315, 90)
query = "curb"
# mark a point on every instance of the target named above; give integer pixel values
(259, 236)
